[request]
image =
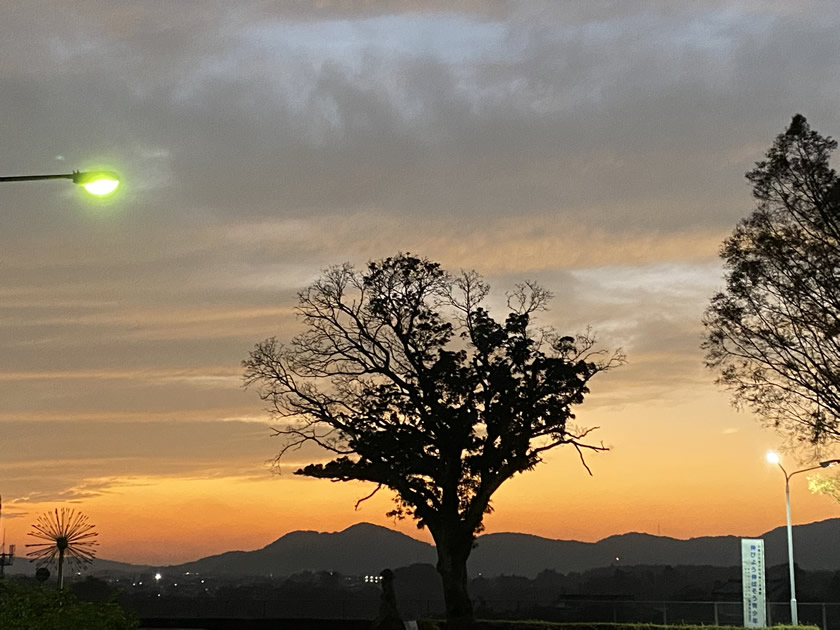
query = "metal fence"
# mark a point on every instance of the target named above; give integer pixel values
(824, 615)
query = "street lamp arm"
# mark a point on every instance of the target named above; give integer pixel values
(95, 182)
(35, 178)
(796, 472)
(826, 464)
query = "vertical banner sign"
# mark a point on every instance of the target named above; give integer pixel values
(752, 570)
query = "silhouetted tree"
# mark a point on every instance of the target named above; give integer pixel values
(409, 382)
(772, 334)
(67, 535)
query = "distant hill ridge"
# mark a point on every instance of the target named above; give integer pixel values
(814, 545)
(365, 549)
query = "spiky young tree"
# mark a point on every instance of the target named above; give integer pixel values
(66, 535)
(773, 335)
(408, 382)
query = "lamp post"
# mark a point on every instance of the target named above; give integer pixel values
(95, 182)
(773, 458)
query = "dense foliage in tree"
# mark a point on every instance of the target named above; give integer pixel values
(828, 485)
(406, 379)
(772, 334)
(31, 607)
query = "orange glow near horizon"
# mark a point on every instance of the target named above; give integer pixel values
(169, 521)
(640, 485)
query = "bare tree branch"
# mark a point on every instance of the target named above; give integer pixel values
(407, 381)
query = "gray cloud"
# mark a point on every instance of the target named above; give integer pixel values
(635, 119)
(599, 147)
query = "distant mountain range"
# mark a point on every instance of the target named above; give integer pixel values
(366, 549)
(815, 547)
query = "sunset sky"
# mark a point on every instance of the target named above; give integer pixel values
(596, 147)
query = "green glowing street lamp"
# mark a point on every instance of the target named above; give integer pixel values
(99, 183)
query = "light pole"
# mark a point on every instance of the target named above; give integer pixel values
(6, 559)
(95, 182)
(773, 458)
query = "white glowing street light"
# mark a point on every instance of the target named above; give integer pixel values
(773, 458)
(97, 183)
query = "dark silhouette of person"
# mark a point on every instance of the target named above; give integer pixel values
(388, 617)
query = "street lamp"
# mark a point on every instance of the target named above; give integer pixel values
(773, 458)
(97, 183)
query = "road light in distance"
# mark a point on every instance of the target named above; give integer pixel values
(773, 458)
(99, 183)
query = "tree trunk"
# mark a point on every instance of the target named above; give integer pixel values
(61, 568)
(452, 567)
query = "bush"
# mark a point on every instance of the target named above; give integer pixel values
(25, 607)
